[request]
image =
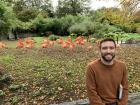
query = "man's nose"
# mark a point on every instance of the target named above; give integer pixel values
(108, 50)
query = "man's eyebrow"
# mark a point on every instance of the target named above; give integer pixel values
(108, 46)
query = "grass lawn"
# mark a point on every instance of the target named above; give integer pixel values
(54, 75)
(13, 43)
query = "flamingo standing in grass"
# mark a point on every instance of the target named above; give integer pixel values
(51, 44)
(89, 47)
(2, 45)
(20, 43)
(44, 44)
(29, 43)
(65, 45)
(60, 41)
(71, 46)
(47, 43)
(80, 40)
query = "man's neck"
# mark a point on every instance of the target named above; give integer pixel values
(106, 63)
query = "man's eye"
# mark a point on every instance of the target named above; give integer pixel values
(111, 47)
(104, 48)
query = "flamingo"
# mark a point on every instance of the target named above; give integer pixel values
(30, 43)
(89, 47)
(20, 43)
(2, 45)
(72, 46)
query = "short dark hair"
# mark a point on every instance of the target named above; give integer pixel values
(107, 39)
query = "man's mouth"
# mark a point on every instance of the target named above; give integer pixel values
(108, 55)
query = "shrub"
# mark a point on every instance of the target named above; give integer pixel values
(67, 22)
(43, 25)
(55, 26)
(126, 27)
(77, 28)
(53, 37)
(85, 28)
(112, 28)
(39, 24)
(100, 29)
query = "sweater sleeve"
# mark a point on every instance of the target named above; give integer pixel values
(93, 96)
(124, 83)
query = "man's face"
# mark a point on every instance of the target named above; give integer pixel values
(107, 51)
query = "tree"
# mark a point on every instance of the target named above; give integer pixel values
(130, 6)
(137, 17)
(72, 7)
(8, 20)
(29, 9)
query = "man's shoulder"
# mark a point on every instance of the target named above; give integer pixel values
(91, 65)
(119, 62)
(94, 62)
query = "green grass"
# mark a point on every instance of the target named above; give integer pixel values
(12, 44)
(38, 39)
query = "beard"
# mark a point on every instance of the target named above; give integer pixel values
(108, 57)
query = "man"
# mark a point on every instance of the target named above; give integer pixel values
(107, 77)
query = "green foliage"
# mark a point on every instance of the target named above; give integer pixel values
(75, 7)
(27, 14)
(55, 26)
(17, 16)
(40, 24)
(14, 87)
(126, 28)
(113, 29)
(68, 21)
(34, 16)
(21, 87)
(53, 37)
(100, 29)
(27, 10)
(118, 36)
(14, 100)
(133, 35)
(2, 93)
(84, 28)
(97, 16)
(5, 79)
(77, 28)
(7, 18)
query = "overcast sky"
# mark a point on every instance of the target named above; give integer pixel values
(96, 4)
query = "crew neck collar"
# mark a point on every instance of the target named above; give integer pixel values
(114, 62)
